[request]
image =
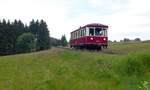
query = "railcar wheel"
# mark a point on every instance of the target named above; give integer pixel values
(99, 48)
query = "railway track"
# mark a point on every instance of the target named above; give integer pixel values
(104, 51)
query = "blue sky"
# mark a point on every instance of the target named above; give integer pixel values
(126, 18)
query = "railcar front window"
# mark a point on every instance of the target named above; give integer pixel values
(101, 32)
(91, 32)
(98, 31)
(105, 32)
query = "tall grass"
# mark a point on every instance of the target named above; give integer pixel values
(59, 69)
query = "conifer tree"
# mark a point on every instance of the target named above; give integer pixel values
(43, 39)
(63, 40)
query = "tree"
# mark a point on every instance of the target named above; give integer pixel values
(109, 41)
(1, 38)
(17, 29)
(40, 30)
(43, 39)
(137, 39)
(115, 41)
(6, 42)
(126, 40)
(63, 40)
(55, 42)
(33, 27)
(26, 43)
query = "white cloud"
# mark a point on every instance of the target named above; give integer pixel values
(53, 12)
(110, 5)
(130, 21)
(139, 6)
(96, 3)
(123, 16)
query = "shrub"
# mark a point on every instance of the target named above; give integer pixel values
(25, 43)
(134, 66)
(145, 60)
(137, 64)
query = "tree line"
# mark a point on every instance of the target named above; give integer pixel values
(17, 37)
(128, 40)
(58, 42)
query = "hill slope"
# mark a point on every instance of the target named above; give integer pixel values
(121, 67)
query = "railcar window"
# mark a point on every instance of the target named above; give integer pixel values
(75, 34)
(91, 32)
(98, 31)
(78, 34)
(101, 33)
(105, 32)
(81, 33)
(84, 32)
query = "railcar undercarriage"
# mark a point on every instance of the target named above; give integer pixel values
(89, 47)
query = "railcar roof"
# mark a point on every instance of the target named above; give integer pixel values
(92, 25)
(95, 25)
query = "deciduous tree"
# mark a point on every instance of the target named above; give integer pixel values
(26, 43)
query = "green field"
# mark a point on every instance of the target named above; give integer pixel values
(120, 67)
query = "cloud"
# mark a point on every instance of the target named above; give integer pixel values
(125, 19)
(108, 5)
(63, 16)
(53, 12)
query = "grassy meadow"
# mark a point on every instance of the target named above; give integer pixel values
(123, 66)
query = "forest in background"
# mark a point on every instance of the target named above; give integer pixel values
(17, 37)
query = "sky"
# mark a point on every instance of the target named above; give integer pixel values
(125, 18)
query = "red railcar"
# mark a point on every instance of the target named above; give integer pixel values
(90, 36)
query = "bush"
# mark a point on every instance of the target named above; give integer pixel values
(145, 60)
(137, 64)
(25, 43)
(134, 66)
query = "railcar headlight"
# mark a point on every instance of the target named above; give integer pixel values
(104, 39)
(91, 38)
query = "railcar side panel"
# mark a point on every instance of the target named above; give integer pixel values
(90, 40)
